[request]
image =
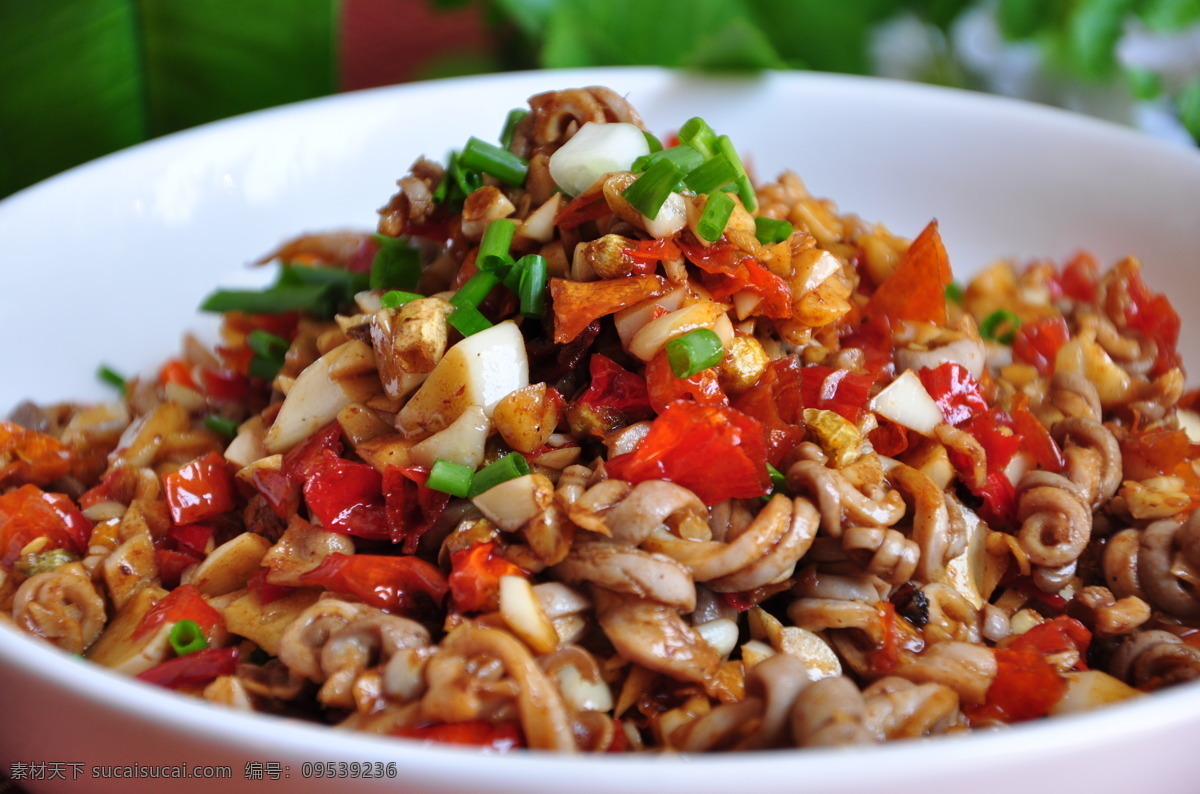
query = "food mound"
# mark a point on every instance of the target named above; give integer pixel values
(597, 445)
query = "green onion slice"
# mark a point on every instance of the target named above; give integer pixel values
(493, 248)
(653, 142)
(186, 637)
(269, 353)
(532, 287)
(449, 477)
(696, 133)
(1000, 326)
(744, 187)
(221, 425)
(685, 157)
(693, 352)
(652, 188)
(111, 377)
(490, 159)
(469, 320)
(514, 117)
(769, 230)
(717, 209)
(394, 299)
(712, 175)
(954, 292)
(475, 290)
(509, 467)
(778, 479)
(396, 264)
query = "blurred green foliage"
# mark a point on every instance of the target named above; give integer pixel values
(87, 77)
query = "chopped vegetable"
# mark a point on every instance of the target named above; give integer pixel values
(694, 351)
(451, 478)
(511, 465)
(393, 584)
(717, 209)
(186, 637)
(489, 159)
(1000, 326)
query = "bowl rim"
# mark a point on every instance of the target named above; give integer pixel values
(220, 725)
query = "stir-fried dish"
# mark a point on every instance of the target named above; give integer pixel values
(598, 445)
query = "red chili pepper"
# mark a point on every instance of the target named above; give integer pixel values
(615, 389)
(193, 538)
(577, 303)
(664, 388)
(192, 670)
(768, 402)
(1036, 437)
(498, 738)
(119, 485)
(1079, 278)
(410, 507)
(176, 371)
(31, 457)
(646, 254)
(1038, 343)
(728, 269)
(888, 438)
(224, 384)
(199, 490)
(1026, 685)
(587, 206)
(916, 289)
(994, 431)
(684, 441)
(172, 563)
(1150, 453)
(347, 497)
(1152, 314)
(873, 336)
(385, 582)
(29, 513)
(954, 390)
(838, 390)
(475, 577)
(266, 591)
(183, 603)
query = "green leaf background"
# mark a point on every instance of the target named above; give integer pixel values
(87, 77)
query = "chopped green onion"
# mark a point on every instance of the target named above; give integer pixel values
(954, 292)
(744, 188)
(685, 157)
(778, 479)
(186, 637)
(396, 264)
(221, 425)
(717, 209)
(111, 377)
(654, 143)
(696, 133)
(1000, 326)
(469, 320)
(493, 248)
(648, 193)
(712, 175)
(274, 300)
(475, 290)
(769, 230)
(267, 345)
(317, 290)
(449, 477)
(457, 183)
(269, 352)
(514, 117)
(509, 467)
(394, 299)
(693, 352)
(491, 159)
(532, 287)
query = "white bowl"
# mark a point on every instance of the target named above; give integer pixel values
(106, 263)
